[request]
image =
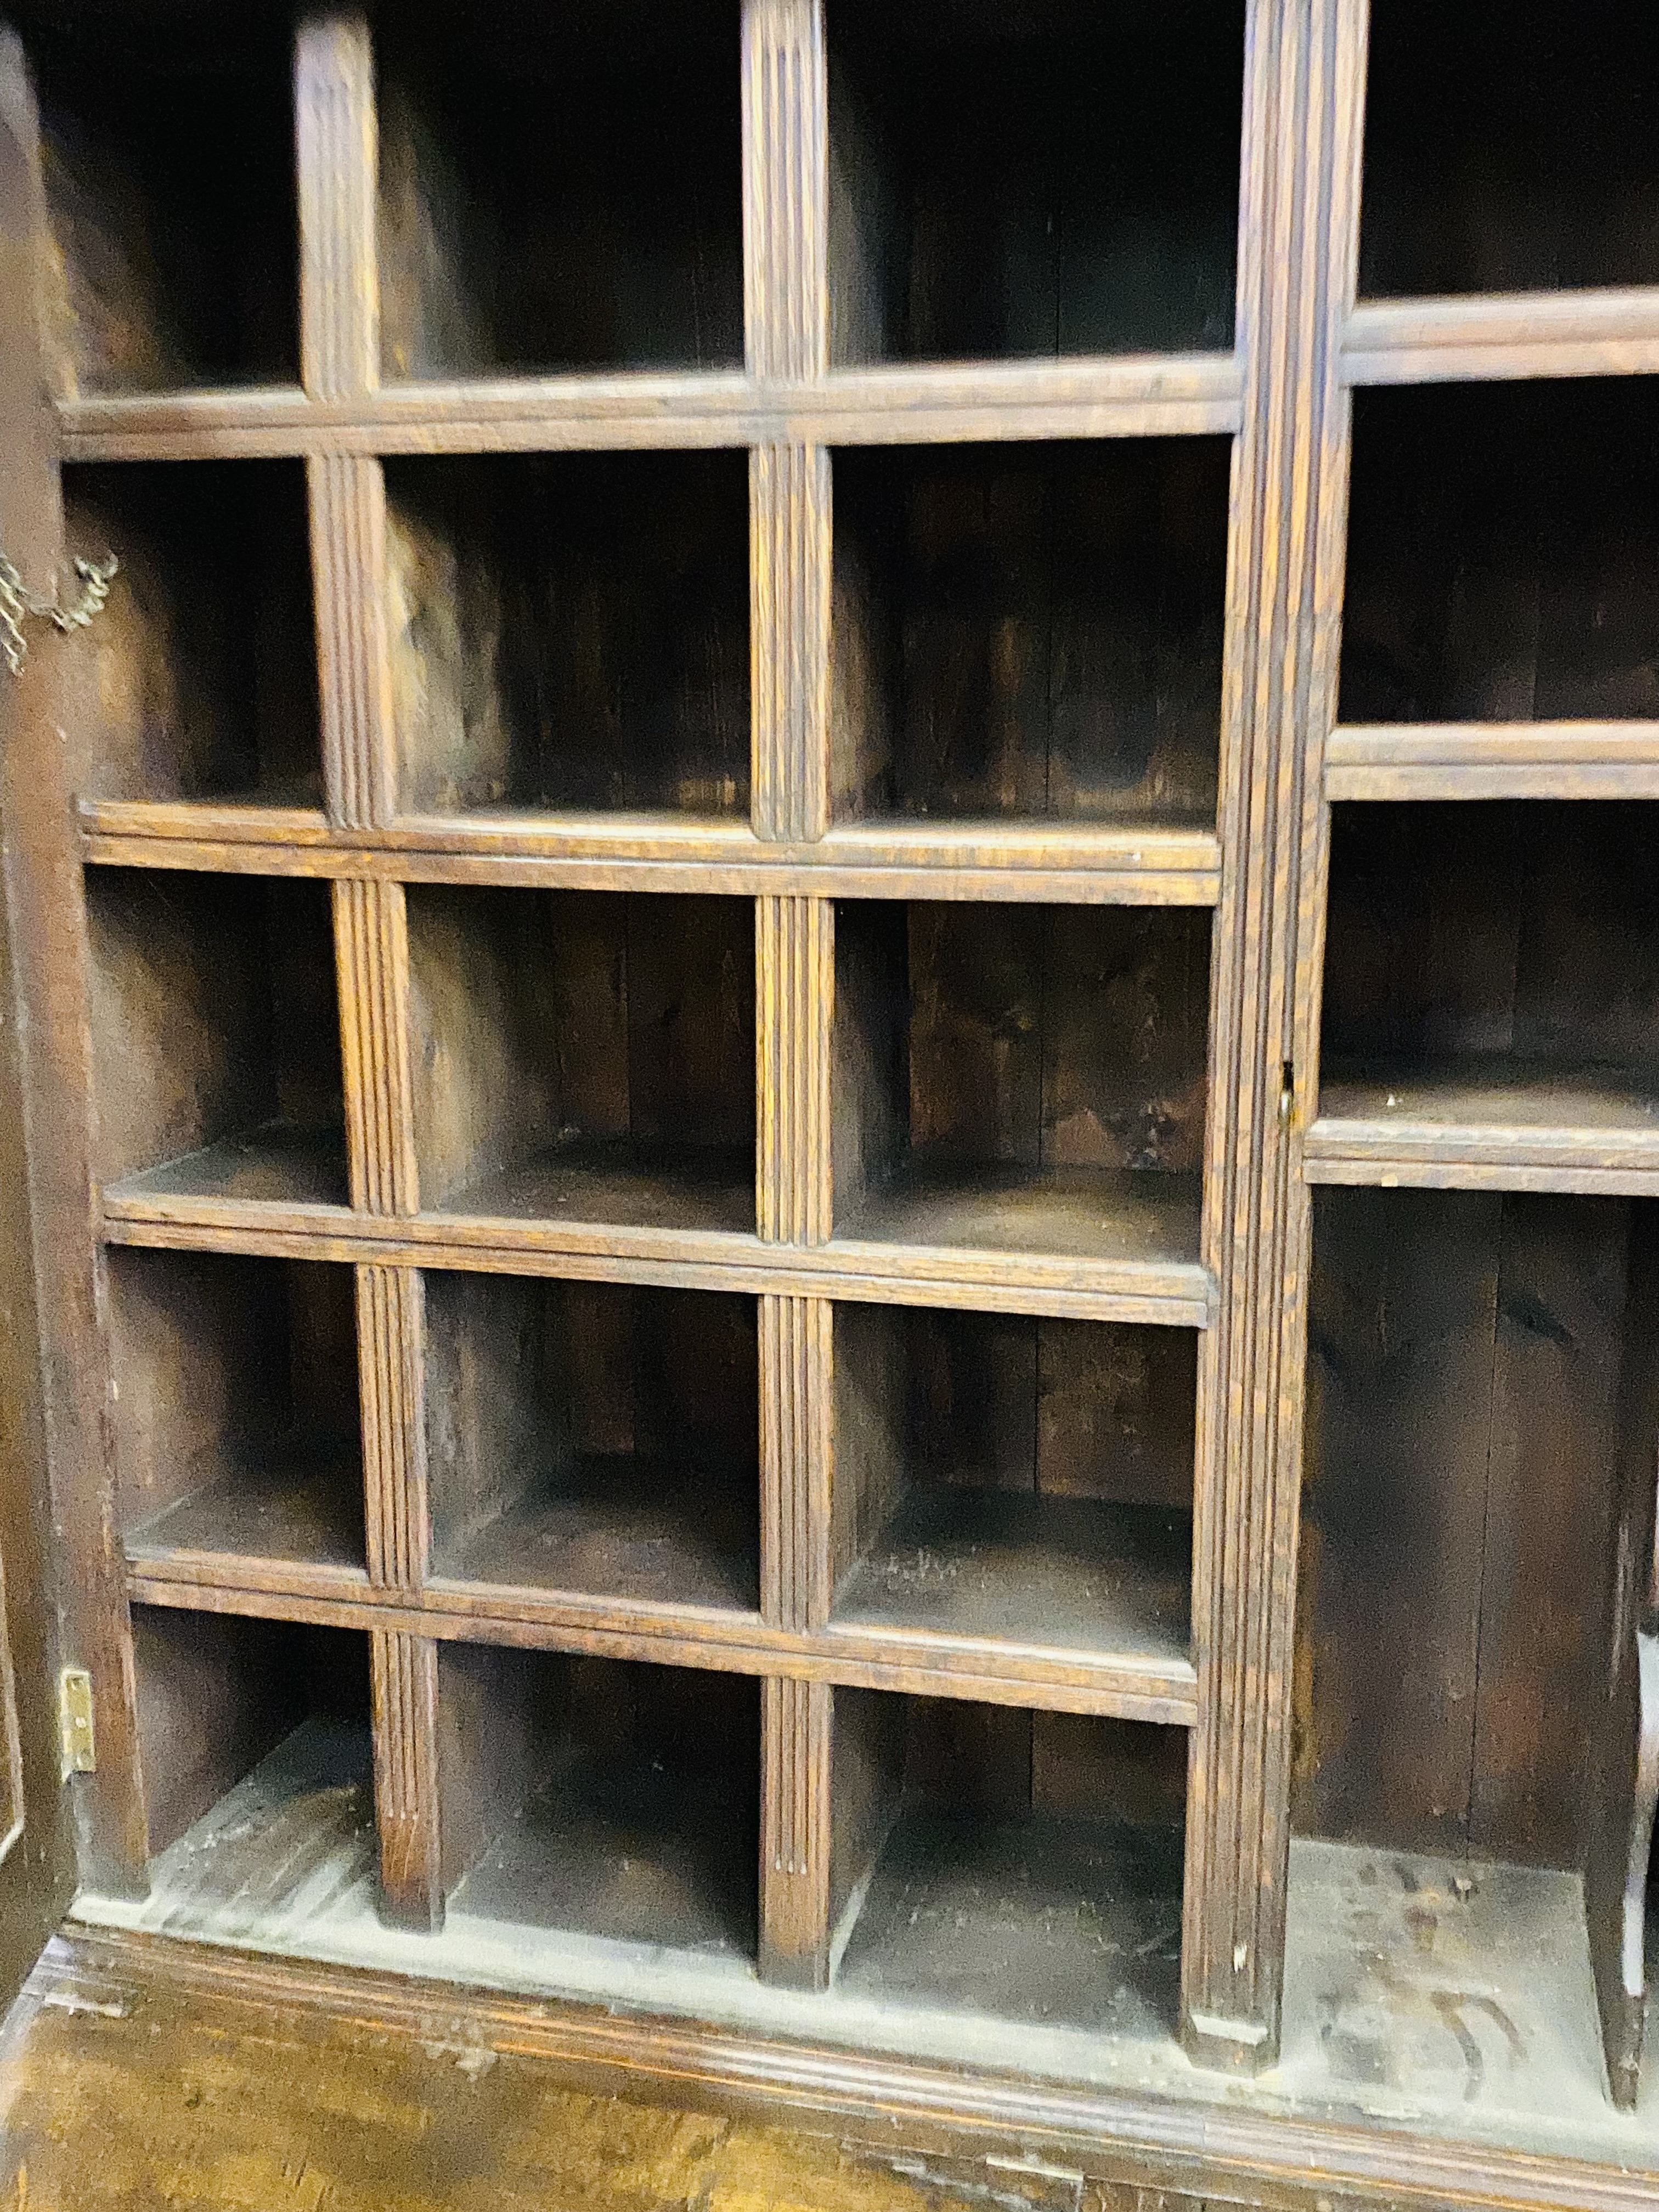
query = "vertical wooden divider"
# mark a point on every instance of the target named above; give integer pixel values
(340, 342)
(1299, 187)
(785, 111)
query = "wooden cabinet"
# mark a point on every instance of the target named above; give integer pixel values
(839, 972)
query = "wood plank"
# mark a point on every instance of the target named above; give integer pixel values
(1493, 760)
(1068, 1573)
(1486, 337)
(1299, 218)
(1491, 1123)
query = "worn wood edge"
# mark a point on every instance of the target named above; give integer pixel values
(1094, 863)
(1337, 1153)
(1494, 336)
(1194, 2144)
(1175, 1294)
(1493, 760)
(1152, 395)
(1125, 1686)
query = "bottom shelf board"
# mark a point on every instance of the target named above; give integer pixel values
(1039, 1920)
(619, 1184)
(641, 1531)
(1067, 1574)
(623, 1850)
(1412, 2005)
(275, 1165)
(307, 1511)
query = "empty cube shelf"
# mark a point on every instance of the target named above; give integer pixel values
(1062, 180)
(1015, 1482)
(1510, 148)
(571, 632)
(1492, 974)
(199, 678)
(1504, 554)
(600, 1797)
(596, 1439)
(169, 161)
(551, 196)
(1029, 631)
(215, 1032)
(1021, 1078)
(235, 1412)
(1026, 1866)
(585, 1056)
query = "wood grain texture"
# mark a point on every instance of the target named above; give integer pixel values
(1493, 760)
(789, 618)
(1499, 336)
(796, 1812)
(349, 556)
(391, 1356)
(785, 132)
(1303, 98)
(404, 1680)
(48, 950)
(337, 160)
(371, 936)
(796, 1444)
(795, 981)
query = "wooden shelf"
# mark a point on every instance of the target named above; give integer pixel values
(1495, 1124)
(1028, 1866)
(644, 1532)
(297, 1510)
(1107, 1227)
(625, 242)
(198, 681)
(170, 203)
(1486, 338)
(620, 1029)
(1499, 156)
(978, 211)
(915, 402)
(676, 1190)
(276, 1165)
(1030, 632)
(571, 632)
(996, 1567)
(1493, 760)
(1500, 565)
(602, 1797)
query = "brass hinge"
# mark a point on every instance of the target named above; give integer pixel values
(19, 604)
(80, 1751)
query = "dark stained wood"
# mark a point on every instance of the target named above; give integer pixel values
(1028, 632)
(199, 680)
(1402, 1310)
(561, 195)
(170, 186)
(214, 1017)
(1622, 1774)
(1003, 194)
(1503, 561)
(235, 1406)
(541, 1020)
(569, 633)
(595, 1438)
(803, 1478)
(1502, 155)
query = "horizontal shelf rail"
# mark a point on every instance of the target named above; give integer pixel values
(1501, 336)
(1127, 396)
(1128, 1685)
(1493, 760)
(1097, 863)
